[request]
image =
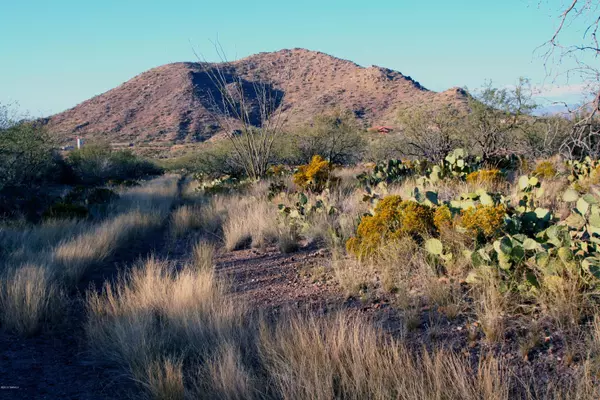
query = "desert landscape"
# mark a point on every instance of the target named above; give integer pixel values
(293, 225)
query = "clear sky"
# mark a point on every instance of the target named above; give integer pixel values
(55, 54)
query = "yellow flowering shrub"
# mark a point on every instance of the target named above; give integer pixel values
(442, 218)
(595, 175)
(393, 219)
(485, 176)
(315, 175)
(486, 221)
(545, 169)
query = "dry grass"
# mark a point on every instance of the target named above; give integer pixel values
(249, 221)
(164, 380)
(288, 239)
(156, 196)
(155, 321)
(203, 256)
(72, 259)
(157, 314)
(47, 260)
(345, 357)
(29, 244)
(352, 275)
(29, 299)
(185, 219)
(490, 308)
(562, 298)
(226, 377)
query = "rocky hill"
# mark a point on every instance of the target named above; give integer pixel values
(173, 102)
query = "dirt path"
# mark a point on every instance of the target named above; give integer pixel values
(270, 280)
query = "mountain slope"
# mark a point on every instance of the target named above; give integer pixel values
(173, 102)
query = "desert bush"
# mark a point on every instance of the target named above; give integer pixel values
(431, 132)
(98, 163)
(213, 159)
(392, 219)
(335, 137)
(314, 176)
(483, 221)
(442, 218)
(498, 119)
(545, 169)
(28, 161)
(485, 176)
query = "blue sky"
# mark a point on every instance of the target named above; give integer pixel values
(55, 54)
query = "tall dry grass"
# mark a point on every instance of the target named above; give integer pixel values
(184, 219)
(250, 221)
(29, 299)
(41, 263)
(346, 357)
(179, 334)
(156, 313)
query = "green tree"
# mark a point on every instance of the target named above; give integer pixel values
(336, 137)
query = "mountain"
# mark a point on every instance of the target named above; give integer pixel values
(173, 102)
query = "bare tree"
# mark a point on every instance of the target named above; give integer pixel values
(431, 132)
(250, 110)
(580, 59)
(498, 117)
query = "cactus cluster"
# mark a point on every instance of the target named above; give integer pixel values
(223, 184)
(390, 171)
(298, 215)
(584, 171)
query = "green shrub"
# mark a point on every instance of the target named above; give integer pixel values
(96, 164)
(336, 137)
(64, 210)
(212, 160)
(28, 160)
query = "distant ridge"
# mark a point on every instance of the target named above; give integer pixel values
(171, 102)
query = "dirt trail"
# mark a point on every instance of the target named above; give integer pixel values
(270, 280)
(56, 365)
